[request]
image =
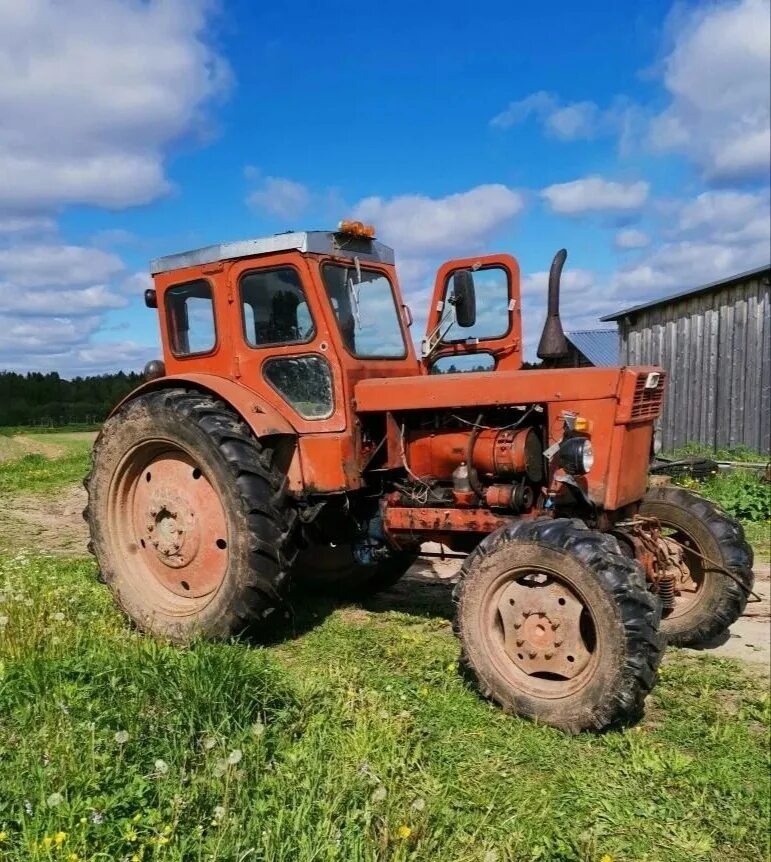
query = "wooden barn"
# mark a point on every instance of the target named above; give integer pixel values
(715, 343)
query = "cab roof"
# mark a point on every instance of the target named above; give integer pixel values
(309, 242)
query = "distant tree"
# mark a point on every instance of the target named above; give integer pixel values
(48, 399)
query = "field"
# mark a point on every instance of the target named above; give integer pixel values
(350, 736)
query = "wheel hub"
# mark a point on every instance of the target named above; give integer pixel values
(171, 528)
(179, 525)
(541, 628)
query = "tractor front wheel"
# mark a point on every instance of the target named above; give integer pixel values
(706, 600)
(557, 625)
(189, 520)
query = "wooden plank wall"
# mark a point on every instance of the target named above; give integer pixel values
(717, 350)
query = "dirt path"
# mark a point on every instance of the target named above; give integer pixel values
(56, 525)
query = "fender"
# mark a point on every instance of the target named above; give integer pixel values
(264, 420)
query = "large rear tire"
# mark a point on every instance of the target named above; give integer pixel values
(710, 601)
(333, 569)
(189, 520)
(557, 625)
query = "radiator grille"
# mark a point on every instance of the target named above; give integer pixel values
(647, 402)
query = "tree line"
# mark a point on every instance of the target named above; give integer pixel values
(48, 399)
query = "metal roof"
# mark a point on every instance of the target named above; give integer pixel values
(599, 346)
(311, 242)
(694, 291)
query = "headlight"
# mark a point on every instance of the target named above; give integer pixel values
(577, 455)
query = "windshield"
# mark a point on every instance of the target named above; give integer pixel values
(366, 312)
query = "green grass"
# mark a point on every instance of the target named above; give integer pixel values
(37, 474)
(74, 428)
(357, 741)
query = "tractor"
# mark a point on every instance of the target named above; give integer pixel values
(292, 438)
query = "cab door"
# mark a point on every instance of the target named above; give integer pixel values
(281, 344)
(494, 340)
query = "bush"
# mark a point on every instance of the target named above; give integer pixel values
(741, 493)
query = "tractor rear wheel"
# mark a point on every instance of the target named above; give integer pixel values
(189, 520)
(333, 568)
(706, 601)
(557, 625)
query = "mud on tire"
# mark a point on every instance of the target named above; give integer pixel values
(612, 588)
(720, 600)
(209, 446)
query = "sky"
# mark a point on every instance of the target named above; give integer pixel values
(635, 134)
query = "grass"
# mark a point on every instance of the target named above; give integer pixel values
(728, 453)
(349, 737)
(355, 739)
(35, 473)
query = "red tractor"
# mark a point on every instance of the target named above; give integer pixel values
(291, 435)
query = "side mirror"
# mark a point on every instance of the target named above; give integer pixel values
(464, 298)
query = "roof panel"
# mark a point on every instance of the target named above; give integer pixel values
(312, 242)
(599, 346)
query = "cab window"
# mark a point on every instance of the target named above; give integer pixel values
(275, 310)
(190, 316)
(366, 312)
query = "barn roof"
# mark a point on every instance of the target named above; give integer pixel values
(599, 346)
(694, 291)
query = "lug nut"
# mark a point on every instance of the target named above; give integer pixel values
(520, 642)
(555, 626)
(548, 655)
(557, 643)
(532, 654)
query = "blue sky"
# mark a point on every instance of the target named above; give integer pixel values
(635, 134)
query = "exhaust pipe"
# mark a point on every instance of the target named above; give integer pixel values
(553, 344)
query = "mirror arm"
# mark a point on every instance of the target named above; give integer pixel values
(431, 340)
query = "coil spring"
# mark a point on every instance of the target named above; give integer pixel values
(665, 588)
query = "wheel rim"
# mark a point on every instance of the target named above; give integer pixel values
(540, 632)
(171, 526)
(689, 584)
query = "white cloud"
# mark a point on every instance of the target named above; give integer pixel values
(92, 95)
(727, 217)
(717, 75)
(595, 194)
(418, 226)
(631, 238)
(280, 197)
(57, 265)
(570, 121)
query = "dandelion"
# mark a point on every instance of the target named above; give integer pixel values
(3, 621)
(47, 842)
(209, 743)
(258, 728)
(379, 793)
(121, 737)
(491, 856)
(162, 839)
(219, 814)
(73, 857)
(60, 838)
(3, 836)
(97, 817)
(161, 767)
(235, 756)
(606, 858)
(54, 799)
(404, 831)
(220, 768)
(28, 807)
(419, 804)
(59, 617)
